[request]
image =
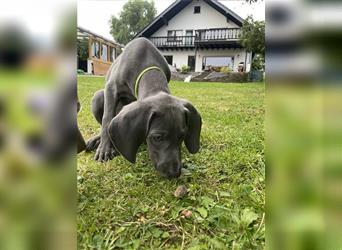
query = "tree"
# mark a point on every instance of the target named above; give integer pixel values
(15, 45)
(253, 35)
(135, 15)
(82, 49)
(253, 39)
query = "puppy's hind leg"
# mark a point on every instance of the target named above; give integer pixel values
(97, 106)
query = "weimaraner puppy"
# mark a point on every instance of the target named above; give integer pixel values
(136, 106)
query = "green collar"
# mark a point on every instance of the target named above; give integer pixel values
(136, 86)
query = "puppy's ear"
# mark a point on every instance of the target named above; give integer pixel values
(194, 124)
(128, 130)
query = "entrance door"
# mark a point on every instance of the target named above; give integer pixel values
(191, 62)
(169, 59)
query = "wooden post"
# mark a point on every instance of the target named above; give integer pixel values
(100, 49)
(108, 53)
(90, 49)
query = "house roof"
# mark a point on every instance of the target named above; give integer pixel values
(177, 6)
(82, 32)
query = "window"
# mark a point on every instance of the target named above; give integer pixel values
(172, 35)
(104, 52)
(197, 9)
(219, 61)
(95, 52)
(192, 62)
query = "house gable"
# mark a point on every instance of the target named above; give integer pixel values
(180, 15)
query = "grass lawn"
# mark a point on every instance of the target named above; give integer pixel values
(126, 206)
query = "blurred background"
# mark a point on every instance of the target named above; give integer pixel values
(38, 107)
(303, 124)
(38, 128)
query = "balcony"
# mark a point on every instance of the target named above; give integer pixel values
(173, 41)
(204, 38)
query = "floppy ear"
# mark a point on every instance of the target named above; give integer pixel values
(128, 129)
(194, 124)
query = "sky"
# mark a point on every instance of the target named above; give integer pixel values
(94, 15)
(42, 22)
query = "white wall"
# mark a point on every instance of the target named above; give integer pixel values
(187, 20)
(181, 57)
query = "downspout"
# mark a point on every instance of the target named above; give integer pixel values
(195, 57)
(90, 51)
(195, 50)
(245, 68)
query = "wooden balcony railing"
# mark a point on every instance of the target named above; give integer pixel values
(202, 36)
(218, 34)
(173, 41)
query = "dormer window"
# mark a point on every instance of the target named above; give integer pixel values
(197, 9)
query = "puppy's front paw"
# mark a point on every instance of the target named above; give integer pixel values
(105, 152)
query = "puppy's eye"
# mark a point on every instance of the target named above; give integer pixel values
(157, 138)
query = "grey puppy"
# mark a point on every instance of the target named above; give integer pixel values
(136, 106)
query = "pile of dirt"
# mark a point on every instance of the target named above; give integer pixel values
(177, 76)
(201, 77)
(207, 76)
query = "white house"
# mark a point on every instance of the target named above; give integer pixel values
(198, 33)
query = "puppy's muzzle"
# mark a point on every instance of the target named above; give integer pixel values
(170, 170)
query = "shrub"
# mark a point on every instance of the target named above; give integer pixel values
(184, 69)
(258, 62)
(216, 68)
(256, 76)
(225, 69)
(80, 72)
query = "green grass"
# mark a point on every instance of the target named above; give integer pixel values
(125, 206)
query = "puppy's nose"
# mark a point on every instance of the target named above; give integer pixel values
(169, 170)
(175, 172)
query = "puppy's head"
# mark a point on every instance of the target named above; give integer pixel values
(164, 122)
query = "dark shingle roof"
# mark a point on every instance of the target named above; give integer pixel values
(178, 6)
